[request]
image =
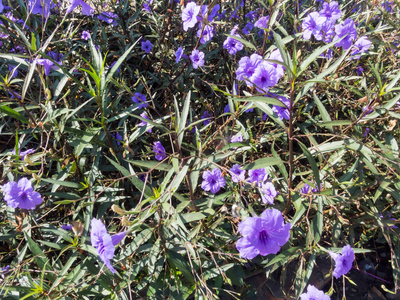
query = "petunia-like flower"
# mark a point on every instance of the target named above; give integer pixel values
(247, 66)
(312, 25)
(282, 112)
(305, 189)
(140, 98)
(159, 150)
(41, 7)
(197, 58)
(314, 294)
(257, 175)
(144, 123)
(262, 22)
(343, 262)
(48, 64)
(118, 138)
(5, 269)
(178, 54)
(85, 35)
(22, 154)
(233, 45)
(264, 77)
(104, 243)
(360, 46)
(347, 29)
(146, 7)
(87, 10)
(331, 11)
(247, 28)
(108, 17)
(206, 35)
(237, 138)
(237, 173)
(1, 6)
(67, 227)
(263, 235)
(276, 55)
(147, 46)
(206, 115)
(189, 15)
(213, 181)
(268, 192)
(21, 194)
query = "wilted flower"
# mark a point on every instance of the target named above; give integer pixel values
(314, 294)
(108, 17)
(237, 173)
(87, 10)
(257, 175)
(347, 29)
(21, 194)
(85, 35)
(312, 25)
(147, 46)
(213, 181)
(263, 235)
(104, 243)
(159, 150)
(197, 58)
(268, 192)
(343, 262)
(140, 98)
(189, 15)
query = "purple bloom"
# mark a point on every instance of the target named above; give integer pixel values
(237, 138)
(147, 46)
(227, 109)
(343, 262)
(146, 7)
(108, 17)
(189, 15)
(144, 123)
(104, 243)
(331, 11)
(118, 138)
(314, 294)
(112, 65)
(262, 22)
(140, 98)
(268, 192)
(206, 35)
(178, 54)
(366, 132)
(159, 150)
(282, 112)
(1, 6)
(21, 194)
(257, 175)
(197, 58)
(5, 269)
(252, 15)
(249, 26)
(317, 188)
(206, 115)
(237, 173)
(347, 28)
(312, 25)
(13, 71)
(233, 45)
(25, 153)
(67, 227)
(214, 12)
(247, 66)
(48, 64)
(360, 46)
(41, 7)
(263, 235)
(359, 70)
(305, 189)
(276, 55)
(85, 35)
(87, 10)
(264, 77)
(367, 109)
(213, 181)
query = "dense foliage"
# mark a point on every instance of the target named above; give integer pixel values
(165, 149)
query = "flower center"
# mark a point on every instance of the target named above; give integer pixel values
(263, 236)
(23, 196)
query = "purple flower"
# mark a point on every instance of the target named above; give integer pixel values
(257, 175)
(189, 15)
(360, 46)
(207, 34)
(214, 12)
(314, 294)
(312, 25)
(206, 115)
(317, 188)
(367, 109)
(144, 123)
(359, 70)
(282, 112)
(108, 17)
(13, 71)
(263, 235)
(237, 173)
(262, 22)
(25, 153)
(331, 11)
(104, 243)
(48, 64)
(1, 6)
(41, 7)
(118, 138)
(264, 77)
(159, 150)
(247, 66)
(233, 45)
(249, 26)
(252, 15)
(178, 54)
(21, 194)
(67, 227)
(227, 109)
(343, 262)
(197, 58)
(213, 181)
(87, 10)
(366, 132)
(347, 28)
(85, 35)
(5, 269)
(147, 46)
(140, 98)
(268, 192)
(276, 55)
(237, 138)
(305, 189)
(146, 7)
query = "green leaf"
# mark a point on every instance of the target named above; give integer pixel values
(312, 162)
(120, 61)
(14, 114)
(180, 263)
(267, 100)
(322, 110)
(263, 162)
(152, 165)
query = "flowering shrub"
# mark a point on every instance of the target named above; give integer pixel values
(218, 142)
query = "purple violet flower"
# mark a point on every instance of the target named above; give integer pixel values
(213, 181)
(247, 66)
(264, 77)
(41, 7)
(108, 17)
(189, 15)
(347, 29)
(5, 269)
(282, 112)
(197, 58)
(359, 70)
(360, 46)
(314, 294)
(104, 243)
(237, 173)
(276, 55)
(21, 194)
(147, 46)
(208, 33)
(178, 54)
(237, 138)
(231, 44)
(159, 150)
(144, 123)
(268, 192)
(343, 262)
(312, 25)
(140, 98)
(263, 235)
(146, 7)
(67, 227)
(331, 11)
(262, 22)
(366, 132)
(85, 35)
(118, 138)
(206, 115)
(257, 175)
(87, 10)
(305, 189)
(247, 28)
